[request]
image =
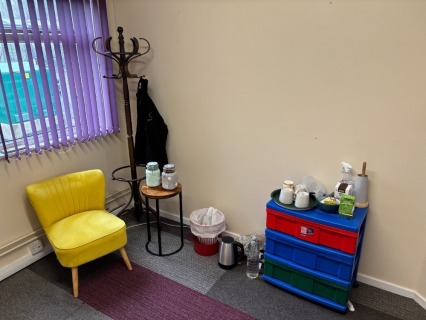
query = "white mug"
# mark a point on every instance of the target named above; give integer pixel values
(297, 189)
(286, 196)
(302, 199)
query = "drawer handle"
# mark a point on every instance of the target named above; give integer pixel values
(306, 231)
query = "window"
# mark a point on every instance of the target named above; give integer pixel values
(52, 90)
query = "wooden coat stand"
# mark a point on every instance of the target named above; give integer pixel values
(123, 59)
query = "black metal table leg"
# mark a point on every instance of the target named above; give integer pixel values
(157, 208)
(159, 193)
(181, 220)
(148, 222)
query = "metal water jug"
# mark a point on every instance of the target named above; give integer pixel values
(229, 255)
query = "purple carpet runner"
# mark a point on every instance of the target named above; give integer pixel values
(143, 294)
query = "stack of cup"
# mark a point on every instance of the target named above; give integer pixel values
(298, 194)
(302, 199)
(286, 195)
(288, 184)
(287, 192)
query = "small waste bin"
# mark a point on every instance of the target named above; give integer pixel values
(206, 226)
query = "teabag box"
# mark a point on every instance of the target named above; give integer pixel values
(347, 205)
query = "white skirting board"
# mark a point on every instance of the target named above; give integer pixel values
(24, 261)
(420, 300)
(390, 287)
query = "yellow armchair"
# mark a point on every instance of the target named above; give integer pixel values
(71, 210)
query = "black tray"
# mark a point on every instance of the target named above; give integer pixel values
(275, 195)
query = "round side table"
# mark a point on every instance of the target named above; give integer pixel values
(159, 193)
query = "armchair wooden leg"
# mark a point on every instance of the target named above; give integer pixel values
(74, 272)
(125, 258)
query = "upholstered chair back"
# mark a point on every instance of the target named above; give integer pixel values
(57, 198)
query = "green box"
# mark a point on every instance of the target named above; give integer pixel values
(347, 205)
(306, 282)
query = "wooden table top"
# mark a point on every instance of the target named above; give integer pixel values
(159, 192)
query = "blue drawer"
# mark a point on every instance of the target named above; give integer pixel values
(320, 258)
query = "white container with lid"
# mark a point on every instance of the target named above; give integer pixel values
(169, 177)
(152, 174)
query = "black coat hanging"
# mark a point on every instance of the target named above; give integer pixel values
(151, 130)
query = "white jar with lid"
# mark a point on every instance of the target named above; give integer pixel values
(152, 174)
(169, 177)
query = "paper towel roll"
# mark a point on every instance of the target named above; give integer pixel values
(360, 190)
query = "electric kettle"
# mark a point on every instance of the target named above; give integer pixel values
(228, 253)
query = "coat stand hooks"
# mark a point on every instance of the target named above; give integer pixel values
(123, 58)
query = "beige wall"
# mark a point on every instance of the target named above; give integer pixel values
(255, 92)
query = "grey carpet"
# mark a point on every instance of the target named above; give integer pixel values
(50, 269)
(27, 295)
(265, 301)
(186, 267)
(47, 284)
(389, 303)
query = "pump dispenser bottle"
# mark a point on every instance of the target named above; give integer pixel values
(346, 185)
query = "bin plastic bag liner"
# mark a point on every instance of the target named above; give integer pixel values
(207, 222)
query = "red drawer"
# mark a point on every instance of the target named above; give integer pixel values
(339, 239)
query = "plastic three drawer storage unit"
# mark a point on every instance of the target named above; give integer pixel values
(312, 253)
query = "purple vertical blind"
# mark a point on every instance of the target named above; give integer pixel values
(52, 90)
